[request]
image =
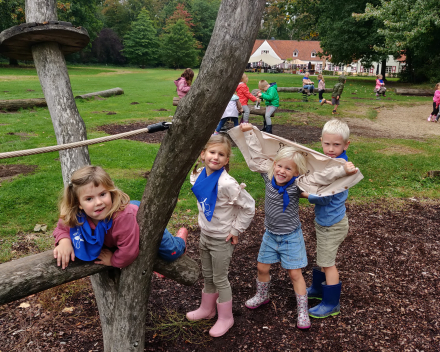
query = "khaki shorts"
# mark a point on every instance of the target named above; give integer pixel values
(328, 240)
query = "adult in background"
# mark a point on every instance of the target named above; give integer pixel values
(308, 83)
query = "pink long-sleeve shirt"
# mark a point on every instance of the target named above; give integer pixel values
(123, 235)
(182, 87)
(436, 98)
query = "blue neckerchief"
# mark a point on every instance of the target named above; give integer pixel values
(381, 81)
(343, 156)
(87, 244)
(206, 189)
(282, 190)
(319, 80)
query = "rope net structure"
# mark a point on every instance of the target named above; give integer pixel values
(151, 128)
(70, 145)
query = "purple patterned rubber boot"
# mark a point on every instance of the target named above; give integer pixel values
(303, 312)
(261, 297)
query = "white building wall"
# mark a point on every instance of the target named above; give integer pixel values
(265, 46)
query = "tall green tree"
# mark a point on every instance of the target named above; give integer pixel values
(411, 28)
(204, 14)
(141, 43)
(11, 14)
(179, 48)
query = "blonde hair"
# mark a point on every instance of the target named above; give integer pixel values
(337, 127)
(321, 77)
(379, 76)
(217, 139)
(290, 153)
(69, 204)
(243, 78)
(262, 84)
(437, 86)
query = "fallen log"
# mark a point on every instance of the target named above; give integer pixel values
(16, 104)
(296, 89)
(261, 111)
(35, 273)
(416, 92)
(103, 93)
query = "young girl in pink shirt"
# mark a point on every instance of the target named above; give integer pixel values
(98, 223)
(380, 86)
(436, 102)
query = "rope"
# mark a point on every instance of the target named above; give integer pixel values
(70, 145)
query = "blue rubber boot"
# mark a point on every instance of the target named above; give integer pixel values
(330, 302)
(315, 291)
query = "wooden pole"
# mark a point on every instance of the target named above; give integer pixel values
(54, 79)
(416, 92)
(103, 93)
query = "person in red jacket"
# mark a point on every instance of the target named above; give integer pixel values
(244, 95)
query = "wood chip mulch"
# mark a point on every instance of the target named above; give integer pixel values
(390, 296)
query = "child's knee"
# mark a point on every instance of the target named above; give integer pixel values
(295, 274)
(263, 269)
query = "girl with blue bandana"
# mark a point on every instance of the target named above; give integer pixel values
(283, 239)
(225, 210)
(98, 223)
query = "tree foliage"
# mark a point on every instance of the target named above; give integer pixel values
(204, 15)
(411, 28)
(107, 48)
(141, 44)
(179, 48)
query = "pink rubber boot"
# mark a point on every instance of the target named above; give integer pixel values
(225, 319)
(206, 309)
(183, 234)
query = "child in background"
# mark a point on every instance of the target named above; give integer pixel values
(183, 83)
(95, 214)
(436, 101)
(232, 111)
(336, 94)
(225, 210)
(321, 87)
(331, 225)
(283, 239)
(308, 83)
(244, 95)
(272, 102)
(380, 87)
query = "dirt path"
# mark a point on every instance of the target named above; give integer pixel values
(397, 122)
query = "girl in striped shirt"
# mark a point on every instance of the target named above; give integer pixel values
(283, 240)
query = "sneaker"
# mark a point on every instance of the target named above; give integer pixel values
(334, 112)
(429, 118)
(320, 100)
(215, 133)
(323, 102)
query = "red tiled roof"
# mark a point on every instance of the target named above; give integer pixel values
(285, 48)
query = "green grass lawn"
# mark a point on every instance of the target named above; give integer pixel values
(31, 199)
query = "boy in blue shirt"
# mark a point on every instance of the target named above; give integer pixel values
(331, 225)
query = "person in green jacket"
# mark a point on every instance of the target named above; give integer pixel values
(272, 100)
(336, 94)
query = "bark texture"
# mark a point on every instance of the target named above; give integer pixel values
(35, 273)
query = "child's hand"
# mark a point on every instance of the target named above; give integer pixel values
(105, 257)
(350, 169)
(304, 195)
(246, 127)
(259, 94)
(240, 111)
(64, 252)
(337, 98)
(234, 239)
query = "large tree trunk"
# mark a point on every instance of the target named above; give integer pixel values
(383, 69)
(196, 117)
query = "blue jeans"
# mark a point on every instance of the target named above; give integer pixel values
(223, 121)
(170, 247)
(310, 87)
